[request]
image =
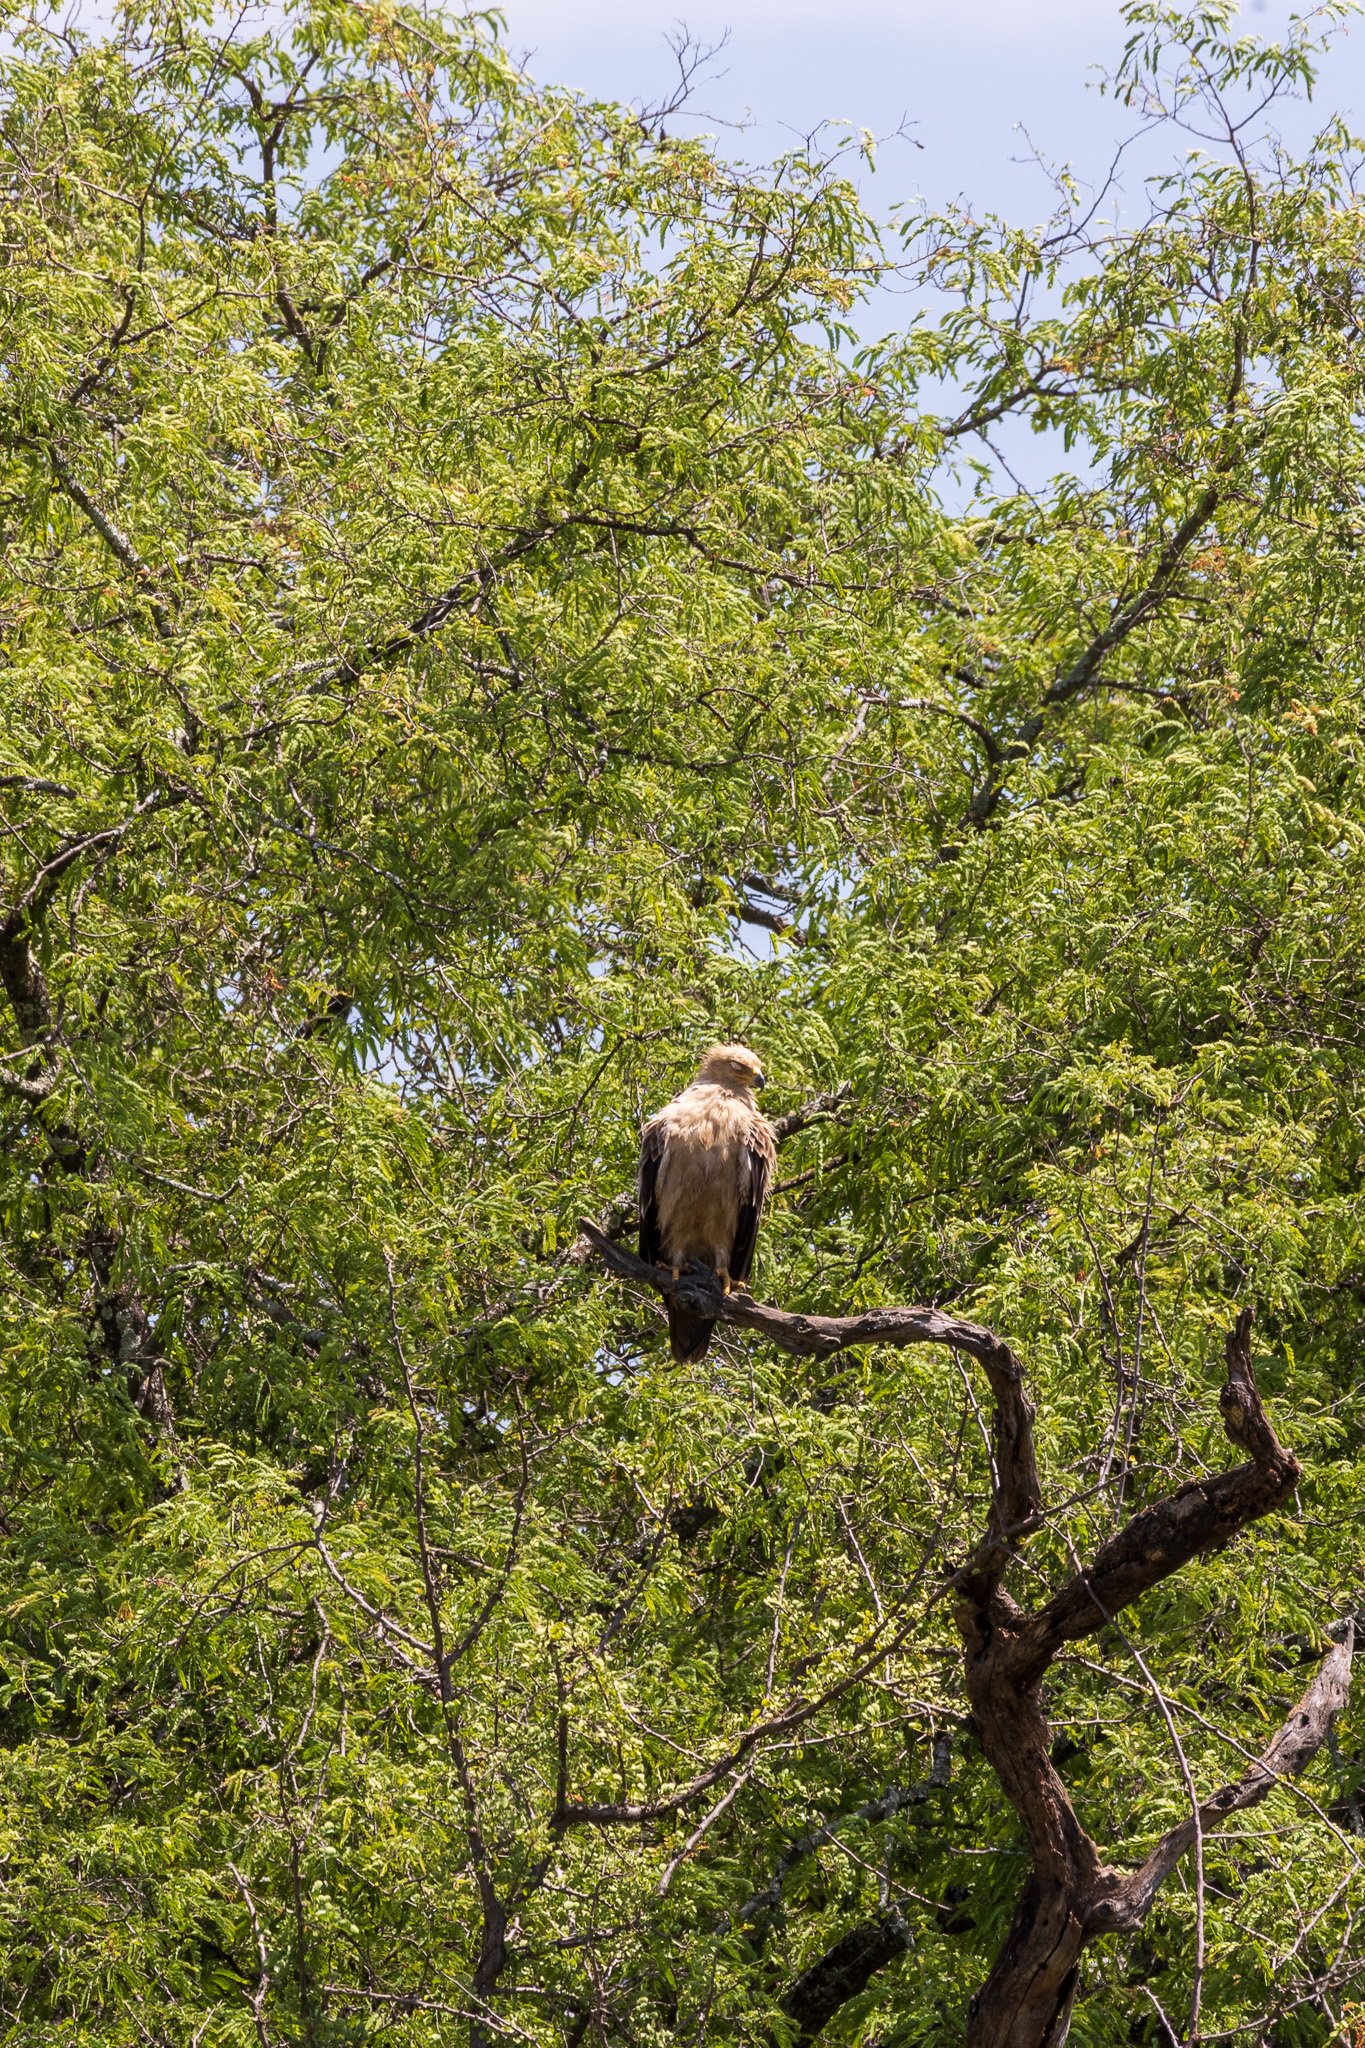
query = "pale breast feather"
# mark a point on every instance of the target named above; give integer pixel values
(706, 1162)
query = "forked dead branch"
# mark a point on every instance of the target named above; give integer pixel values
(1072, 1895)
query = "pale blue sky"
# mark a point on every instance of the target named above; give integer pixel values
(966, 74)
(969, 77)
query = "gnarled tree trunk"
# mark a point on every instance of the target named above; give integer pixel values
(1071, 1896)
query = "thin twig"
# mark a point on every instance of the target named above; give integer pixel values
(258, 1996)
(704, 1825)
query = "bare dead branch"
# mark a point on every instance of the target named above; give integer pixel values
(1071, 1896)
(1289, 1752)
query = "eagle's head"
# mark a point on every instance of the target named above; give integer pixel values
(732, 1066)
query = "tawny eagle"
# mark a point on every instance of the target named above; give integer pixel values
(705, 1165)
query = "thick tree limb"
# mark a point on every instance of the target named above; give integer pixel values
(34, 1087)
(806, 1336)
(37, 785)
(1071, 1896)
(1198, 1516)
(1201, 1515)
(845, 1970)
(24, 982)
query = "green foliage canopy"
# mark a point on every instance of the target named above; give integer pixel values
(474, 626)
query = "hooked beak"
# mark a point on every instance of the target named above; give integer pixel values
(760, 1080)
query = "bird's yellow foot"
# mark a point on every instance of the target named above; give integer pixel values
(676, 1272)
(725, 1283)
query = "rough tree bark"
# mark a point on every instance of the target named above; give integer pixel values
(1072, 1895)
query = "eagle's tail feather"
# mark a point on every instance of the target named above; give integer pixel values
(688, 1333)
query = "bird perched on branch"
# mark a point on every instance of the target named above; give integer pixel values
(705, 1165)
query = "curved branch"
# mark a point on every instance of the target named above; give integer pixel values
(1018, 1497)
(805, 1336)
(868, 1654)
(991, 746)
(1198, 1516)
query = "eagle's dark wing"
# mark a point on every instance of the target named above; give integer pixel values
(651, 1152)
(762, 1154)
